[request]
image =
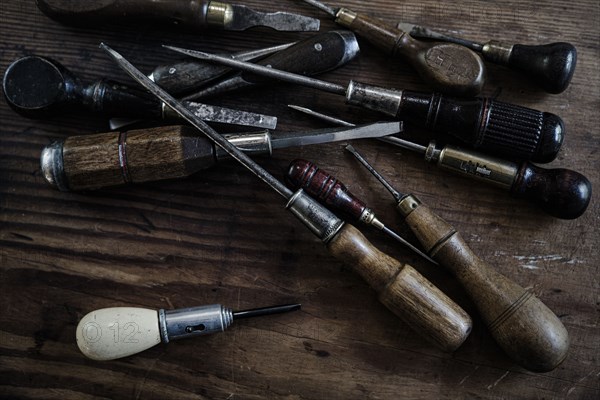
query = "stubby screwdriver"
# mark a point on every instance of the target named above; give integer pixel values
(111, 333)
(551, 66)
(483, 123)
(400, 287)
(40, 87)
(447, 67)
(302, 174)
(116, 158)
(560, 192)
(528, 331)
(191, 14)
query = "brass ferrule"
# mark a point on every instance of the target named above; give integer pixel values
(322, 222)
(494, 170)
(497, 52)
(258, 143)
(51, 164)
(219, 14)
(369, 218)
(345, 17)
(407, 205)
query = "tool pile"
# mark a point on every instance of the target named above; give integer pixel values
(483, 139)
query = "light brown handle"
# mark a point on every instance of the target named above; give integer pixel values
(528, 331)
(404, 291)
(113, 158)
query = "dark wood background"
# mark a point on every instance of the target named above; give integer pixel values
(223, 236)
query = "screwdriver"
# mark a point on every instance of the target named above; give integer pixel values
(551, 66)
(194, 14)
(400, 287)
(562, 193)
(528, 331)
(312, 56)
(447, 67)
(319, 184)
(116, 332)
(38, 87)
(116, 158)
(483, 123)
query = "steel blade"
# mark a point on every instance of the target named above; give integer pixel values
(375, 130)
(244, 18)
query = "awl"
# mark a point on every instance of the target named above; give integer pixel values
(195, 14)
(116, 158)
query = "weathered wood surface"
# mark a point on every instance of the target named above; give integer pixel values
(222, 236)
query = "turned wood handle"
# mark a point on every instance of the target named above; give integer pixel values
(403, 290)
(448, 67)
(191, 13)
(528, 331)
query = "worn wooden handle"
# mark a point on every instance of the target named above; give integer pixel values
(113, 158)
(404, 291)
(528, 331)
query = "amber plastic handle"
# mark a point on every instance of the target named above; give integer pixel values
(526, 329)
(403, 290)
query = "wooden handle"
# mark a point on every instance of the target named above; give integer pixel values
(191, 13)
(403, 290)
(109, 159)
(447, 67)
(528, 331)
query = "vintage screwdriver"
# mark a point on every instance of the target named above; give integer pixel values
(38, 87)
(400, 287)
(528, 331)
(560, 192)
(483, 123)
(319, 184)
(312, 56)
(116, 158)
(191, 14)
(551, 66)
(447, 67)
(116, 332)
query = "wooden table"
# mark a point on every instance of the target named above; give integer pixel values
(222, 236)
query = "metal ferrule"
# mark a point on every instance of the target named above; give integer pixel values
(345, 17)
(368, 217)
(408, 204)
(375, 98)
(250, 143)
(219, 14)
(494, 170)
(350, 45)
(51, 164)
(322, 222)
(193, 321)
(497, 52)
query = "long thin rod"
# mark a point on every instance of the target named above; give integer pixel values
(185, 113)
(408, 244)
(397, 195)
(259, 312)
(264, 71)
(323, 7)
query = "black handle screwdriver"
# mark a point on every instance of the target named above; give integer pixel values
(551, 66)
(560, 192)
(483, 123)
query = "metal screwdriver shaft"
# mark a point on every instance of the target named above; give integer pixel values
(259, 312)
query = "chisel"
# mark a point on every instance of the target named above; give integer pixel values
(191, 14)
(483, 123)
(401, 288)
(528, 331)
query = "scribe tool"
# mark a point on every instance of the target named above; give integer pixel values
(194, 14)
(528, 331)
(116, 158)
(117, 332)
(560, 192)
(447, 67)
(483, 123)
(400, 287)
(551, 66)
(312, 56)
(38, 87)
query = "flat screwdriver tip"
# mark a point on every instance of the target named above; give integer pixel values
(258, 312)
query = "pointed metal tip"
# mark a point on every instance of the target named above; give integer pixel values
(258, 312)
(351, 149)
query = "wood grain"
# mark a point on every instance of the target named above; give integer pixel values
(221, 236)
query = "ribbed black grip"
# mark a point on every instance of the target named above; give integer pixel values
(507, 130)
